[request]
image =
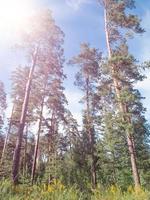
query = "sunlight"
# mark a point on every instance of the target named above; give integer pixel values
(14, 13)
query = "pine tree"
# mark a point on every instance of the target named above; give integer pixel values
(36, 42)
(122, 65)
(7, 136)
(88, 61)
(3, 105)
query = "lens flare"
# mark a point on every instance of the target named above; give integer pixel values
(14, 13)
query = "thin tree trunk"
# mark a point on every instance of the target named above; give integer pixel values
(51, 147)
(123, 109)
(37, 144)
(7, 136)
(91, 136)
(93, 171)
(25, 152)
(17, 151)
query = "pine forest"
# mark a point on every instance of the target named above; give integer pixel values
(74, 117)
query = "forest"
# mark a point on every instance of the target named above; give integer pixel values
(45, 154)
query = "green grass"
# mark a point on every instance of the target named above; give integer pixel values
(57, 191)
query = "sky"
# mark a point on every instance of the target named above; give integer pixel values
(81, 21)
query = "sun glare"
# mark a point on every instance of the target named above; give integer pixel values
(14, 13)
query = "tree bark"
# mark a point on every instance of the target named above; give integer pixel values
(123, 108)
(25, 152)
(17, 151)
(37, 144)
(91, 136)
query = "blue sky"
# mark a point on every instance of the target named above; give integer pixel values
(81, 21)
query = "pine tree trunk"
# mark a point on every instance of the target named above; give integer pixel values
(17, 151)
(7, 136)
(123, 109)
(51, 148)
(25, 152)
(93, 172)
(37, 144)
(91, 136)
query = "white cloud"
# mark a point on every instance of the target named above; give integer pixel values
(75, 4)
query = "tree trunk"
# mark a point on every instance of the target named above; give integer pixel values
(7, 136)
(123, 108)
(91, 136)
(25, 152)
(37, 143)
(17, 151)
(93, 172)
(51, 147)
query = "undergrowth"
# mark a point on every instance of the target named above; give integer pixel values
(57, 191)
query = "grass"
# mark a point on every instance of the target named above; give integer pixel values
(57, 191)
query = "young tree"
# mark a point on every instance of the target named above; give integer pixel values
(2, 104)
(7, 136)
(2, 115)
(88, 61)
